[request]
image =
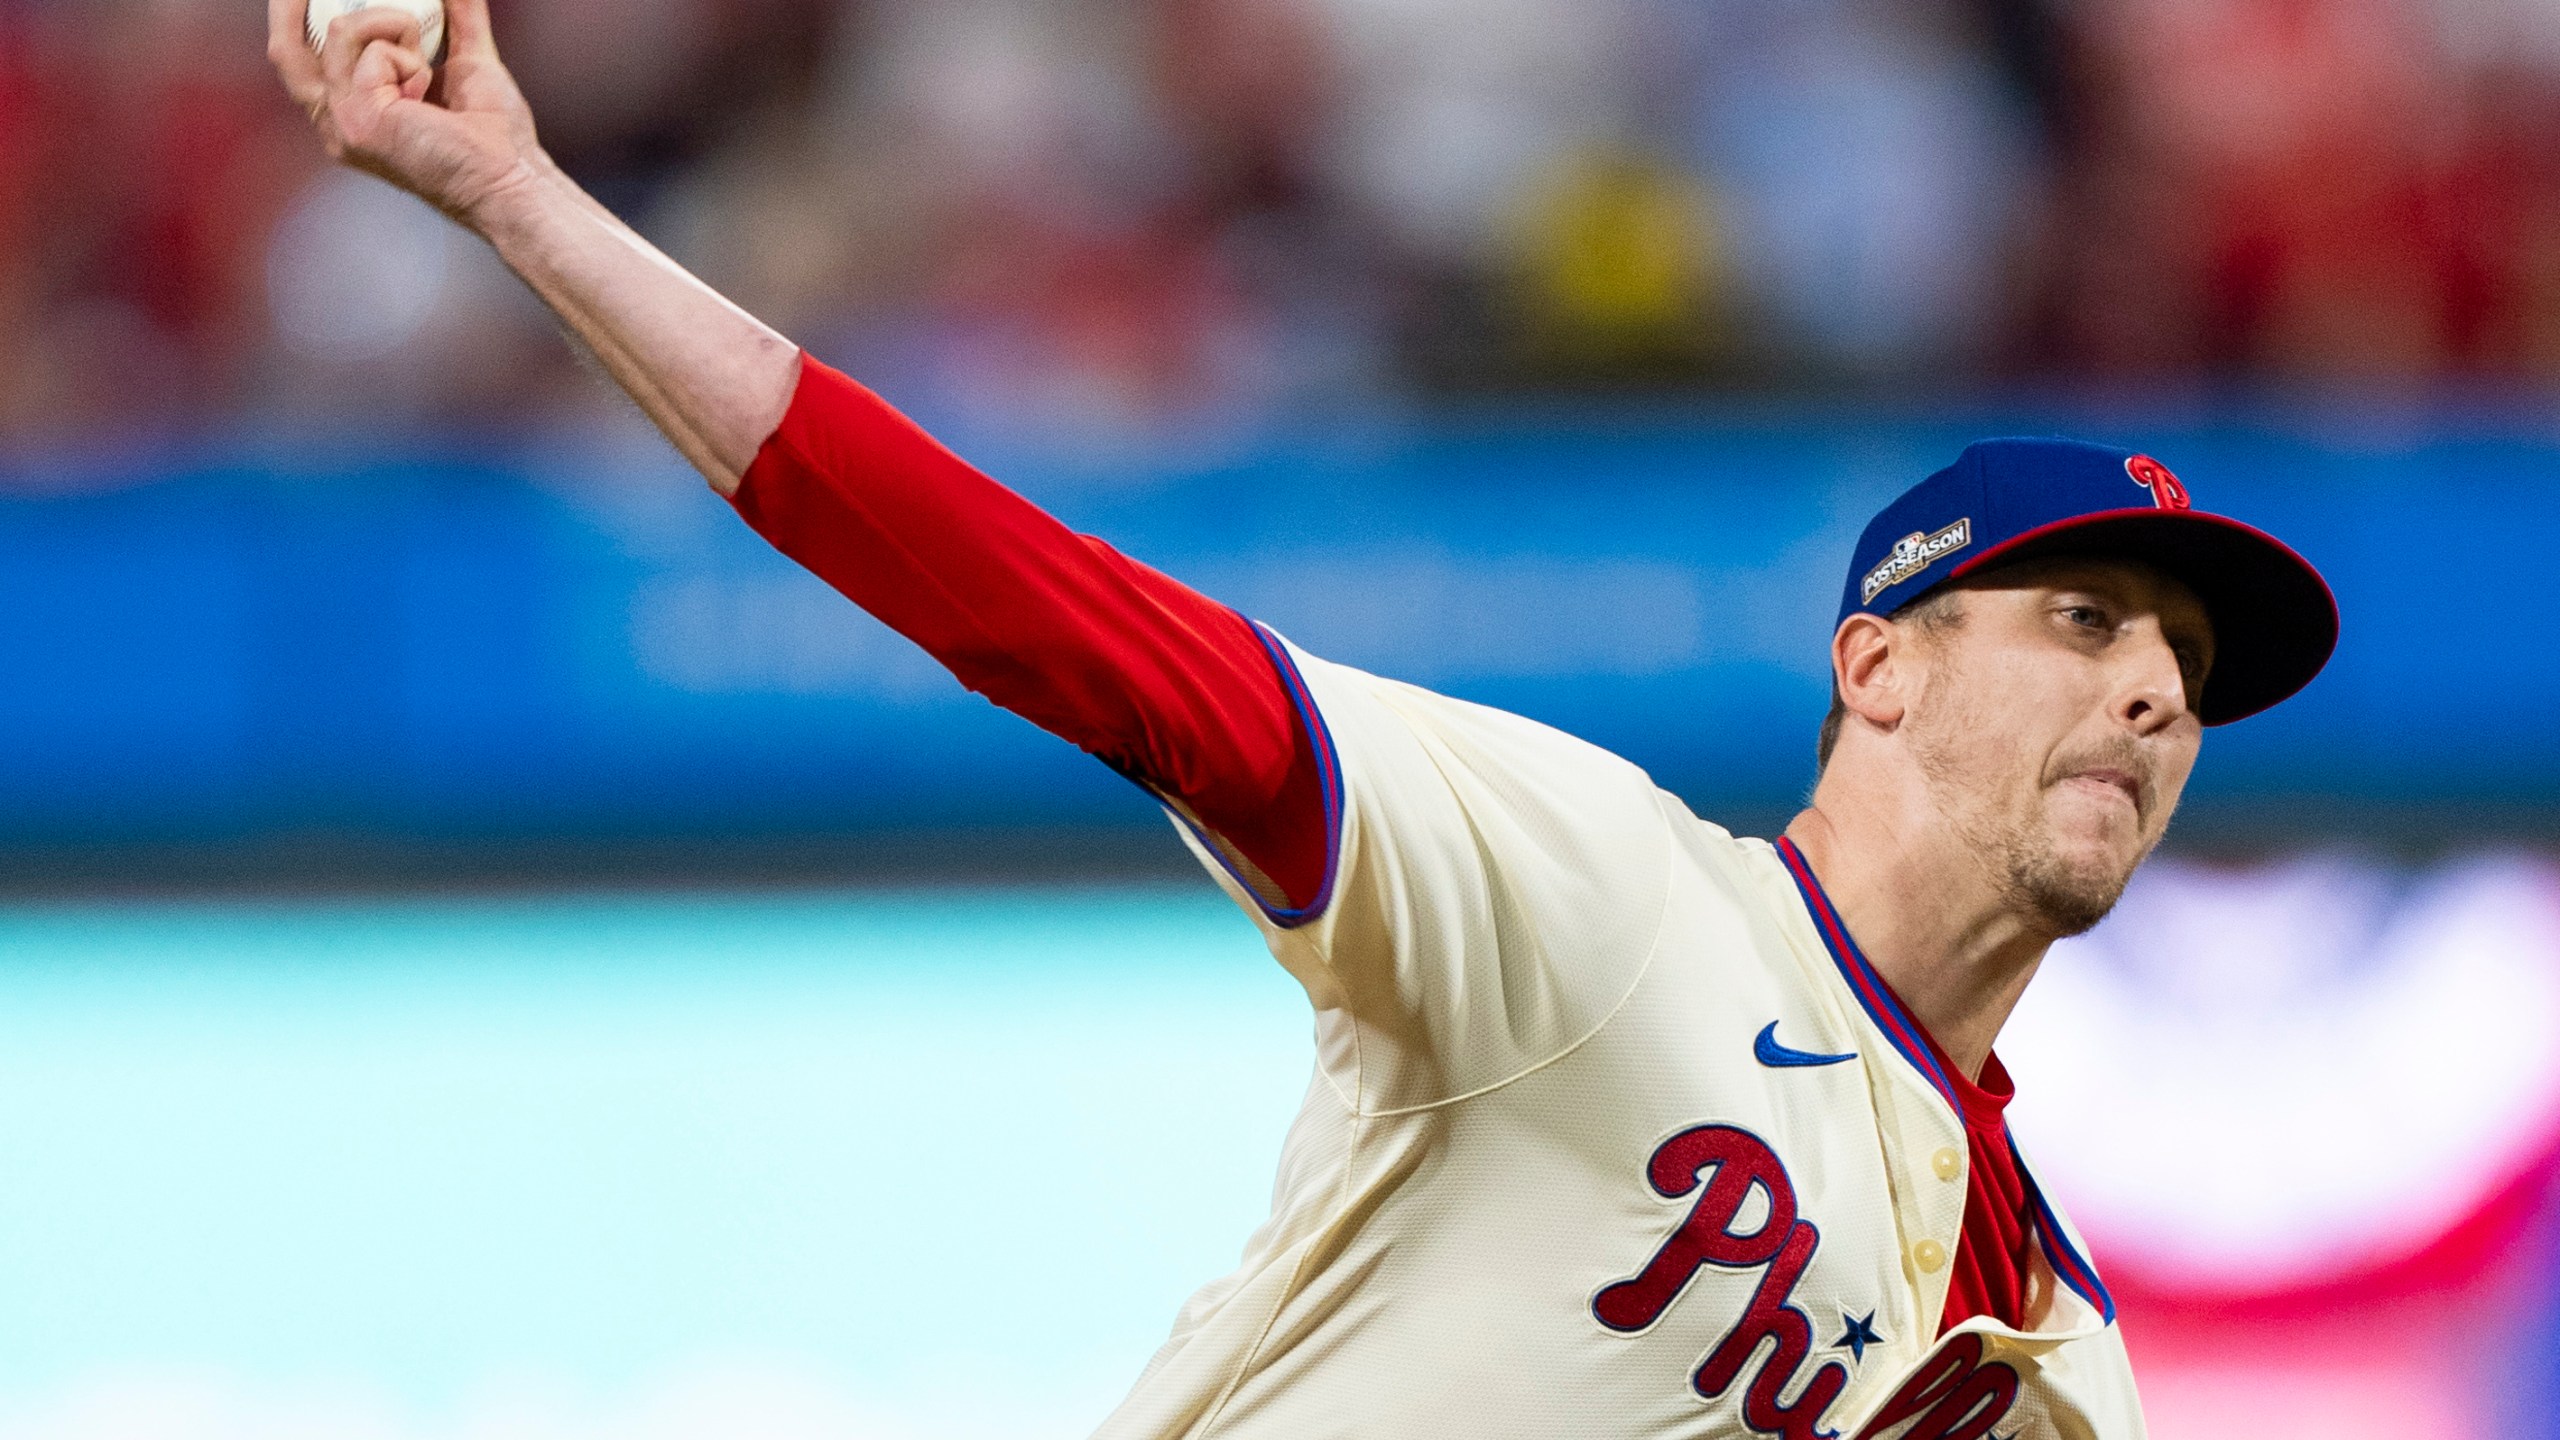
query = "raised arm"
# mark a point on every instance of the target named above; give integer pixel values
(1167, 686)
(715, 379)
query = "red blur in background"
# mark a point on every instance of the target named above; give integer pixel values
(1115, 214)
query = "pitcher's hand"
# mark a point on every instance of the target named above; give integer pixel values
(457, 139)
(711, 376)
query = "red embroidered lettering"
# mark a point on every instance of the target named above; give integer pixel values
(1742, 1163)
(1962, 1398)
(1770, 1317)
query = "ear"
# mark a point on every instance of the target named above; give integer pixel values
(1868, 665)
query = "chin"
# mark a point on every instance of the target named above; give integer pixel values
(2065, 902)
(2071, 884)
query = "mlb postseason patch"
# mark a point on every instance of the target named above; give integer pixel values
(1912, 554)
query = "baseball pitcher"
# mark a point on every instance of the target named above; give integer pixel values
(1621, 1125)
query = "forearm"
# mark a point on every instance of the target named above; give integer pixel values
(713, 378)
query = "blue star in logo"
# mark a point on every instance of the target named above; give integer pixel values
(1857, 1332)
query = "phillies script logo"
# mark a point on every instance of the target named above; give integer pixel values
(1723, 1165)
(1742, 1162)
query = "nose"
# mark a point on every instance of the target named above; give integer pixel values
(2153, 695)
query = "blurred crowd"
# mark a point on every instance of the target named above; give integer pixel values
(1104, 214)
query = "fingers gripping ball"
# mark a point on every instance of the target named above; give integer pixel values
(429, 13)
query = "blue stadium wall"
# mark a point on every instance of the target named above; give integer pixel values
(576, 642)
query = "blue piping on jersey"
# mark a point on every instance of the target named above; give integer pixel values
(1905, 1035)
(2068, 1263)
(1876, 997)
(1329, 776)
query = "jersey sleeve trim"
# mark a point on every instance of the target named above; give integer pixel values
(2068, 1263)
(1329, 778)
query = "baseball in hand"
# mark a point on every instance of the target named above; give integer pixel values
(430, 15)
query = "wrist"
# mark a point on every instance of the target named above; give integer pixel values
(512, 206)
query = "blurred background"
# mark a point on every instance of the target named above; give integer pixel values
(487, 949)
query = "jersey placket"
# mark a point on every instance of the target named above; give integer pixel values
(1918, 1120)
(1922, 1127)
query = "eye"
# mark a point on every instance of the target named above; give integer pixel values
(2086, 616)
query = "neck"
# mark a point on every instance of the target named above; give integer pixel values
(1929, 916)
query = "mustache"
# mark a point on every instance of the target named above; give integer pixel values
(2123, 756)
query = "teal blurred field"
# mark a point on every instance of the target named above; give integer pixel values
(931, 1164)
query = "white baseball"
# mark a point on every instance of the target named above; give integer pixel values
(429, 13)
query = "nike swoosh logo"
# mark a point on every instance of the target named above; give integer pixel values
(1768, 1051)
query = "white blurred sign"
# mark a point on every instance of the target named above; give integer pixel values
(2251, 1080)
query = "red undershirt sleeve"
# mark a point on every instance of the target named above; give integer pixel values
(1163, 684)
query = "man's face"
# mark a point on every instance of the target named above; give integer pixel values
(2053, 725)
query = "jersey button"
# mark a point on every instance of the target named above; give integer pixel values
(1946, 1163)
(1929, 1255)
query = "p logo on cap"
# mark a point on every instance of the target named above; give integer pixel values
(2166, 490)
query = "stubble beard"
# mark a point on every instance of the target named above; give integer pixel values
(2056, 895)
(2058, 898)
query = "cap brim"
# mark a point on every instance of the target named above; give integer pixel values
(2274, 620)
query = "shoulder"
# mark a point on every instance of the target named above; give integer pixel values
(1357, 704)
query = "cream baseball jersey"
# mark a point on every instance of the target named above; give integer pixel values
(1613, 1132)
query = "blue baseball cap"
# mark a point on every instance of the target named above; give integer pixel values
(2274, 620)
